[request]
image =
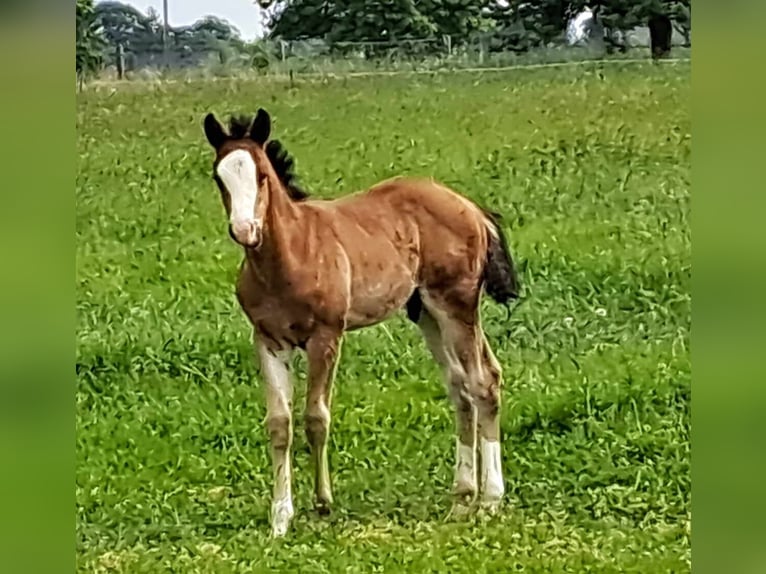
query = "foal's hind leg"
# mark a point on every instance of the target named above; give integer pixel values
(474, 377)
(465, 484)
(488, 407)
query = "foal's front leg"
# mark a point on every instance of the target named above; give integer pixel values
(322, 351)
(279, 396)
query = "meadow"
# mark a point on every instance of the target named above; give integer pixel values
(590, 168)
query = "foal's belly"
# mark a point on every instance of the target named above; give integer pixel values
(376, 296)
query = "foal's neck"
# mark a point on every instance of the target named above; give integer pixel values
(280, 215)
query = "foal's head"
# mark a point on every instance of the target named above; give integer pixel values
(243, 162)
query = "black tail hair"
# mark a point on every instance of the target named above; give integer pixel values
(500, 279)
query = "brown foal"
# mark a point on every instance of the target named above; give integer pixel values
(314, 269)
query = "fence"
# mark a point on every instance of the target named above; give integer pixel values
(273, 57)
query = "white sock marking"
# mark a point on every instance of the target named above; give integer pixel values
(279, 393)
(465, 469)
(491, 470)
(281, 513)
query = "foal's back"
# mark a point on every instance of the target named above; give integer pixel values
(404, 211)
(422, 219)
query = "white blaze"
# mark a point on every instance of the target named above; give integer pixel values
(238, 173)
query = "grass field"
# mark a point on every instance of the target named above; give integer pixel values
(592, 173)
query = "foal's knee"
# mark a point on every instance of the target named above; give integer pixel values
(487, 398)
(279, 431)
(488, 402)
(461, 396)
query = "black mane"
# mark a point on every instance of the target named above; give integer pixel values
(282, 162)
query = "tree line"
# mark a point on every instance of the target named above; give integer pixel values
(103, 27)
(506, 25)
(510, 24)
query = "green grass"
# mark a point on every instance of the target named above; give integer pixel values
(592, 173)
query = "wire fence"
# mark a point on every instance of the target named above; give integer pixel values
(317, 57)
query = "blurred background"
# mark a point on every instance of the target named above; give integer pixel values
(150, 39)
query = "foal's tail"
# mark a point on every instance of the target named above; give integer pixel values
(500, 278)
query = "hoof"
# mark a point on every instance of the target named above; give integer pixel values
(491, 506)
(462, 505)
(323, 508)
(460, 511)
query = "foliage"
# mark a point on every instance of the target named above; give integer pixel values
(516, 24)
(257, 55)
(357, 21)
(351, 20)
(457, 18)
(89, 43)
(126, 25)
(141, 34)
(590, 167)
(390, 31)
(521, 25)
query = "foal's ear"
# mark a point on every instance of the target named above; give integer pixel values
(214, 131)
(261, 128)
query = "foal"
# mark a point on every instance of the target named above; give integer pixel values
(314, 269)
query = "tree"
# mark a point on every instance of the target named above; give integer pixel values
(140, 35)
(521, 25)
(456, 18)
(360, 21)
(349, 20)
(213, 27)
(388, 20)
(89, 43)
(127, 26)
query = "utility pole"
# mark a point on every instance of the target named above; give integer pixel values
(165, 33)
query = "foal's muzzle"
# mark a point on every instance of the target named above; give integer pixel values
(246, 233)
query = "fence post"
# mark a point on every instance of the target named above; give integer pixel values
(448, 42)
(120, 62)
(165, 58)
(282, 48)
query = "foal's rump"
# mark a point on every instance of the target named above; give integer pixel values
(463, 248)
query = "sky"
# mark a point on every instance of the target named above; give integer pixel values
(242, 14)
